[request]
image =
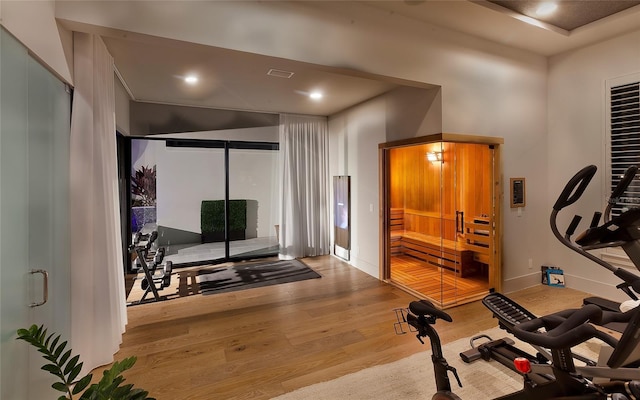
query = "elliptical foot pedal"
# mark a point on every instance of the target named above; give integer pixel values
(506, 310)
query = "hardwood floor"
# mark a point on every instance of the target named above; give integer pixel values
(260, 343)
(444, 287)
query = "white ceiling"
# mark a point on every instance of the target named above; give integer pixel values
(237, 80)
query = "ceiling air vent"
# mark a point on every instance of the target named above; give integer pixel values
(280, 73)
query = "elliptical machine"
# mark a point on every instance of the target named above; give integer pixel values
(618, 231)
(562, 330)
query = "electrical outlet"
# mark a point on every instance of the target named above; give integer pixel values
(530, 263)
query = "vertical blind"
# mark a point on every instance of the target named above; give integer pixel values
(625, 140)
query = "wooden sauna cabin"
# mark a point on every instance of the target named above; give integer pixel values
(440, 224)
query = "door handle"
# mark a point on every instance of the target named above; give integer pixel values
(459, 221)
(45, 286)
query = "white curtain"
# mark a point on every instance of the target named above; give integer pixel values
(304, 146)
(98, 308)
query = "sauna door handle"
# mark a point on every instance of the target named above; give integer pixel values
(459, 221)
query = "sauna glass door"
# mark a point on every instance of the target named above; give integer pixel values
(440, 220)
(419, 219)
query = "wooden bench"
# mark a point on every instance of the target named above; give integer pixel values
(433, 250)
(439, 252)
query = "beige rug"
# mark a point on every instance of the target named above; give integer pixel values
(412, 377)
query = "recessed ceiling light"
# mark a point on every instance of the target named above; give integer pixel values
(315, 95)
(546, 8)
(191, 79)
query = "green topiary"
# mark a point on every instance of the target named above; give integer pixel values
(67, 368)
(212, 215)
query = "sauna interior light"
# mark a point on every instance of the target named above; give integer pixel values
(434, 156)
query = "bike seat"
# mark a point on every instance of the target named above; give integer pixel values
(424, 308)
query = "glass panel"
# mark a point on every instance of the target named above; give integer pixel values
(254, 202)
(49, 130)
(14, 218)
(474, 202)
(34, 158)
(442, 208)
(170, 181)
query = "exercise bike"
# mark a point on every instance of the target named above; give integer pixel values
(563, 330)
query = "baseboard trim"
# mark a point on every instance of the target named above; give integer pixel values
(521, 282)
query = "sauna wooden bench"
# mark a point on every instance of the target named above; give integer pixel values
(440, 253)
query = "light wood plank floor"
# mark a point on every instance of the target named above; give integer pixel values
(260, 343)
(444, 287)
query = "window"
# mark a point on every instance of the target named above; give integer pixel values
(623, 128)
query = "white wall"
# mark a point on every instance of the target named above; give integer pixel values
(576, 124)
(33, 24)
(354, 135)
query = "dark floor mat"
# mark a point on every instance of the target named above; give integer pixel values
(247, 276)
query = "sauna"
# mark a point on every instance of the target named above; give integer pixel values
(440, 222)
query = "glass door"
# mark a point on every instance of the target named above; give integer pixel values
(253, 200)
(177, 191)
(418, 220)
(208, 200)
(440, 218)
(475, 202)
(34, 234)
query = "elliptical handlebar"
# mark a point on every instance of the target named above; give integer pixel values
(562, 330)
(624, 183)
(620, 188)
(575, 187)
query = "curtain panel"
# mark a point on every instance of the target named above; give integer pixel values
(98, 304)
(304, 161)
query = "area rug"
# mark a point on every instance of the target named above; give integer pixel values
(252, 275)
(412, 377)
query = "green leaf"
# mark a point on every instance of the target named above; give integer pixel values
(74, 373)
(60, 349)
(52, 368)
(65, 357)
(71, 365)
(82, 384)
(53, 344)
(61, 387)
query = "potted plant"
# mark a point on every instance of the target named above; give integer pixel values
(66, 368)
